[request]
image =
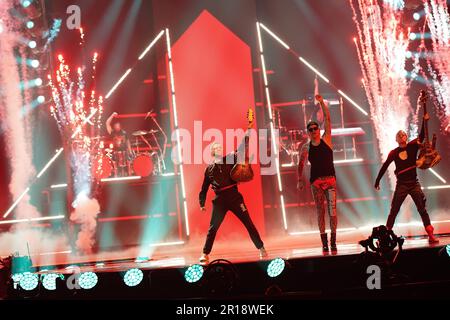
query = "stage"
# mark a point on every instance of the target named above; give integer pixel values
(308, 273)
(116, 117)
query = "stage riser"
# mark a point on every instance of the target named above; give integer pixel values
(416, 271)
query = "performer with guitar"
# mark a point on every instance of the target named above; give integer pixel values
(319, 151)
(219, 175)
(405, 158)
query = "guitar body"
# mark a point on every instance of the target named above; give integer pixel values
(428, 155)
(243, 172)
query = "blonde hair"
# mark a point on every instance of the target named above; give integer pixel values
(212, 147)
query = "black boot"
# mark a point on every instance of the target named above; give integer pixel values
(324, 238)
(333, 242)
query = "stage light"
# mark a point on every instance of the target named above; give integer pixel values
(16, 277)
(49, 280)
(35, 63)
(30, 24)
(416, 16)
(275, 267)
(38, 82)
(88, 280)
(408, 54)
(412, 36)
(26, 3)
(41, 99)
(29, 281)
(32, 44)
(133, 277)
(194, 273)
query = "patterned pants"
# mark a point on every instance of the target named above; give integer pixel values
(324, 189)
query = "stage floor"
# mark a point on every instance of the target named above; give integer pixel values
(237, 251)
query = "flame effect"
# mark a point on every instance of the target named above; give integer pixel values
(382, 46)
(438, 63)
(79, 118)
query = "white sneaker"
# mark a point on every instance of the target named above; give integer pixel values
(263, 253)
(204, 258)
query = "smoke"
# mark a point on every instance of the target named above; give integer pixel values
(37, 240)
(17, 129)
(85, 214)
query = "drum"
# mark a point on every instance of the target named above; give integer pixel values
(143, 165)
(102, 167)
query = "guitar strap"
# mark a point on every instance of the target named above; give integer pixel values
(225, 188)
(405, 170)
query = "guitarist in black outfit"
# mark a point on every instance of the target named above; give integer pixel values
(405, 156)
(228, 198)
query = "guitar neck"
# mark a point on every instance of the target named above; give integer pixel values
(425, 124)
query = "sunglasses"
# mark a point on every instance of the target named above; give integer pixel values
(312, 129)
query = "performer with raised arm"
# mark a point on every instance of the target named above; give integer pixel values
(405, 156)
(228, 198)
(121, 143)
(319, 151)
(317, 114)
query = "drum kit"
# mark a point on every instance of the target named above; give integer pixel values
(146, 157)
(290, 143)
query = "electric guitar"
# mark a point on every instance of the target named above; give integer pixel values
(428, 155)
(243, 172)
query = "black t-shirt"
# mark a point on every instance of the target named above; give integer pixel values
(119, 140)
(404, 158)
(401, 162)
(218, 176)
(321, 159)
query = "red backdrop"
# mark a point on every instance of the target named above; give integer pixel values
(214, 84)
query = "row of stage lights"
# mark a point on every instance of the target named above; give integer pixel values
(29, 281)
(29, 14)
(195, 272)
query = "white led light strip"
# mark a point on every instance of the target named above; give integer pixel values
(306, 63)
(269, 109)
(175, 116)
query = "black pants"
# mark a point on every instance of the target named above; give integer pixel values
(402, 190)
(230, 200)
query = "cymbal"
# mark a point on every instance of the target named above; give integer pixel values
(140, 133)
(143, 132)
